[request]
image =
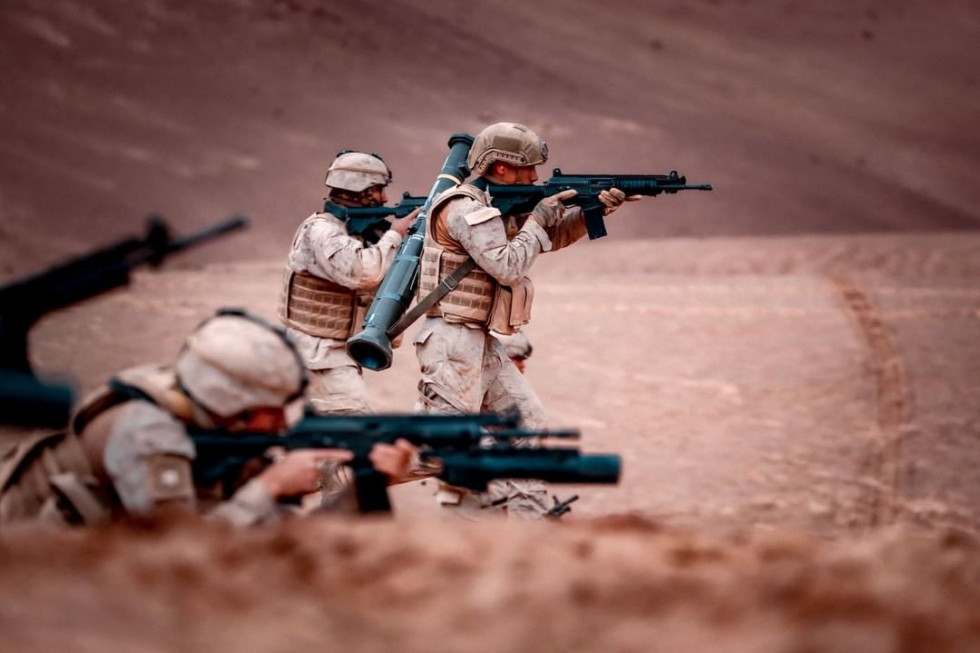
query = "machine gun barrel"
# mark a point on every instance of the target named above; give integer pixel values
(26, 300)
(23, 398)
(166, 245)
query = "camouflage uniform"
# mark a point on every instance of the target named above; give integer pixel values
(329, 285)
(322, 251)
(128, 450)
(516, 344)
(464, 368)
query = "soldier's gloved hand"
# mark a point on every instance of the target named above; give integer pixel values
(613, 198)
(401, 225)
(550, 210)
(299, 472)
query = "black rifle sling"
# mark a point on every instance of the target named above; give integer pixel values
(427, 302)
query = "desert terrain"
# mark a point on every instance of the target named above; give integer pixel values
(789, 365)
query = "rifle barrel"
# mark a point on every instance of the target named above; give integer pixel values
(237, 221)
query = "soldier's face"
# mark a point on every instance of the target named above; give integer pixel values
(511, 175)
(526, 174)
(260, 420)
(375, 196)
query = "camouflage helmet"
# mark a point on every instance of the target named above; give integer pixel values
(508, 142)
(236, 361)
(357, 171)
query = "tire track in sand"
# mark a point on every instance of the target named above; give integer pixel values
(893, 404)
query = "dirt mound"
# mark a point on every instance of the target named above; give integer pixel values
(620, 584)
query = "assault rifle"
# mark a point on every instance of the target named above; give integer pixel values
(472, 450)
(369, 222)
(521, 199)
(26, 400)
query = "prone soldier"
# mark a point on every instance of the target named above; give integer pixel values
(463, 368)
(128, 448)
(330, 279)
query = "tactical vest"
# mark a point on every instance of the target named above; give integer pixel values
(478, 298)
(51, 477)
(157, 385)
(320, 307)
(47, 477)
(154, 383)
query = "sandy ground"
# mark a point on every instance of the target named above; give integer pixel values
(788, 365)
(797, 425)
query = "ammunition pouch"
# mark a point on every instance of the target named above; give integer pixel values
(512, 307)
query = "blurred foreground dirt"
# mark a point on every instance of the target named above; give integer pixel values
(616, 584)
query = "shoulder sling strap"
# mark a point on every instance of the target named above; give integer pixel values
(437, 293)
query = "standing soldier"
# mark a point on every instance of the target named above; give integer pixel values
(128, 450)
(464, 369)
(330, 281)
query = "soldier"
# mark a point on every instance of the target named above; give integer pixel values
(330, 281)
(463, 368)
(128, 450)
